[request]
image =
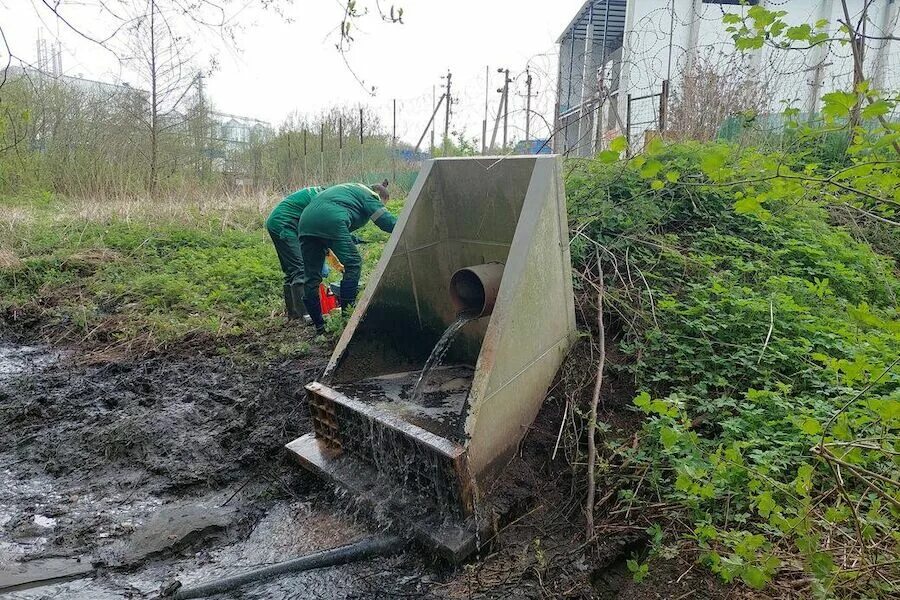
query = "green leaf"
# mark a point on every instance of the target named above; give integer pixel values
(876, 109)
(656, 184)
(810, 426)
(619, 144)
(765, 504)
(654, 146)
(669, 437)
(651, 168)
(800, 32)
(751, 205)
(803, 482)
(837, 514)
(672, 176)
(750, 43)
(608, 156)
(731, 18)
(638, 571)
(838, 104)
(642, 401)
(683, 482)
(761, 16)
(754, 577)
(712, 160)
(821, 564)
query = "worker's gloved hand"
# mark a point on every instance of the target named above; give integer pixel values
(357, 240)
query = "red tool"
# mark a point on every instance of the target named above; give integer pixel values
(327, 299)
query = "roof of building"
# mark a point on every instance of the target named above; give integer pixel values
(608, 17)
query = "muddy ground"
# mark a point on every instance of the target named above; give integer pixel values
(119, 474)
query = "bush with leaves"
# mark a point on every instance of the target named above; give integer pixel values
(763, 340)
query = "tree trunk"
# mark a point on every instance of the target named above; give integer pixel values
(154, 105)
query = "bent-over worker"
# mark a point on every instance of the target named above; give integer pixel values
(282, 226)
(327, 223)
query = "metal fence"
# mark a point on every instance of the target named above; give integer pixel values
(645, 117)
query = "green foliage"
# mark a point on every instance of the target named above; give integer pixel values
(131, 277)
(143, 276)
(761, 338)
(457, 145)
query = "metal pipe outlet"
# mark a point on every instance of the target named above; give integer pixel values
(474, 289)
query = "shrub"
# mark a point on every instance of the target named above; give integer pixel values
(762, 343)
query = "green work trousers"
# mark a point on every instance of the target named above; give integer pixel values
(290, 256)
(314, 251)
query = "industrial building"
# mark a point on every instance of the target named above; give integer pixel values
(623, 62)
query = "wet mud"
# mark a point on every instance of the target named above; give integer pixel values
(122, 475)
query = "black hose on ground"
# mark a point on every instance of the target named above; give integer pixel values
(362, 550)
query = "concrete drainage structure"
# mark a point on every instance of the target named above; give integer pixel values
(483, 235)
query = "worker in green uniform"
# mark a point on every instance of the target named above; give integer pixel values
(327, 223)
(282, 226)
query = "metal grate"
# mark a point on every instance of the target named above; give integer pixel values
(415, 465)
(325, 423)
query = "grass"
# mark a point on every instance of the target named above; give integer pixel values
(120, 271)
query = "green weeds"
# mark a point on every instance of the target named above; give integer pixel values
(765, 346)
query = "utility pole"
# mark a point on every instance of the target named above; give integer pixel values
(487, 81)
(447, 111)
(340, 170)
(394, 145)
(502, 91)
(202, 129)
(506, 82)
(528, 82)
(433, 111)
(431, 125)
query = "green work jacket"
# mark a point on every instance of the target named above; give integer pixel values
(284, 218)
(347, 205)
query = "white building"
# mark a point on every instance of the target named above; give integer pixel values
(613, 49)
(236, 131)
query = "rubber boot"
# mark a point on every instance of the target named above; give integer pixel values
(314, 308)
(349, 288)
(297, 292)
(289, 306)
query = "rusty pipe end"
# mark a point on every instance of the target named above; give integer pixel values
(474, 289)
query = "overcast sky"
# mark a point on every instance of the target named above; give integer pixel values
(289, 63)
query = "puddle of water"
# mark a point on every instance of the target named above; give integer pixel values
(18, 360)
(33, 508)
(46, 522)
(439, 408)
(287, 531)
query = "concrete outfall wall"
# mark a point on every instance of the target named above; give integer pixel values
(530, 331)
(463, 212)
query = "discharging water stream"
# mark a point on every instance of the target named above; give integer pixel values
(440, 351)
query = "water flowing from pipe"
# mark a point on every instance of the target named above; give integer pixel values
(439, 352)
